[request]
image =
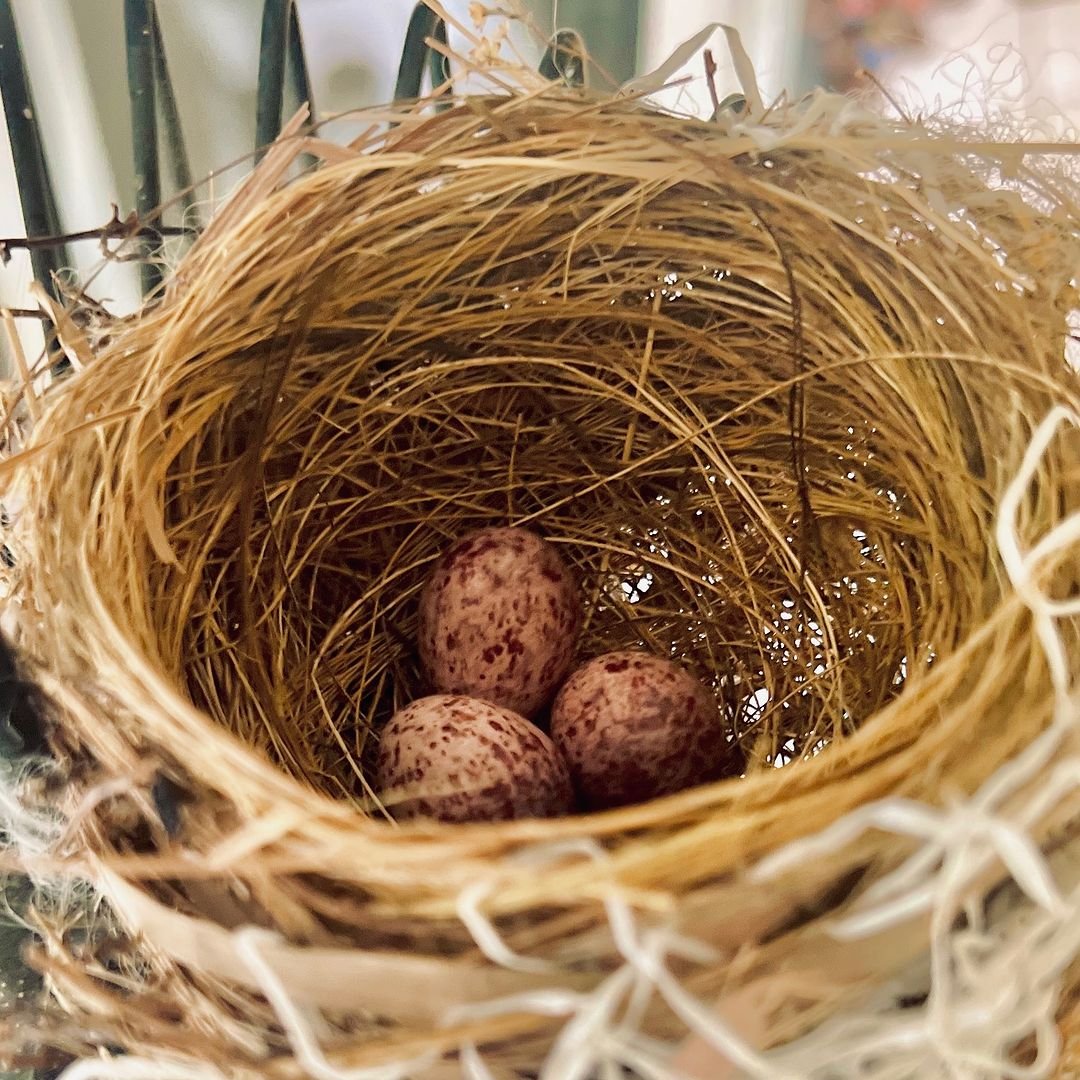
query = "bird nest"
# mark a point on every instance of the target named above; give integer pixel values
(765, 389)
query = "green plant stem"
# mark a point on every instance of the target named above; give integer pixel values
(271, 89)
(139, 36)
(179, 162)
(31, 170)
(423, 24)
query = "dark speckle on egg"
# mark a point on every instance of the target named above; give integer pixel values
(458, 759)
(499, 619)
(633, 726)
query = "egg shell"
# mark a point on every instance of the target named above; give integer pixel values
(633, 726)
(499, 619)
(469, 760)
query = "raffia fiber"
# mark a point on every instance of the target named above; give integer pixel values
(765, 388)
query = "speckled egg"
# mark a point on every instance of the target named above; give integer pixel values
(456, 758)
(633, 726)
(499, 619)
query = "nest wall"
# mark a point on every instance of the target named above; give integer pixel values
(764, 393)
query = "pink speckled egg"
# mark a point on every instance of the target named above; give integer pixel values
(456, 758)
(633, 726)
(499, 619)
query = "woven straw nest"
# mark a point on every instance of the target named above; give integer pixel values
(765, 388)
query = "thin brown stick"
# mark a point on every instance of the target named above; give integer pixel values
(710, 80)
(115, 229)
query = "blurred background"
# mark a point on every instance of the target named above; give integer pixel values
(966, 56)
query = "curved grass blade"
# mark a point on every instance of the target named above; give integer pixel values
(297, 64)
(271, 88)
(439, 63)
(179, 163)
(423, 24)
(564, 59)
(281, 55)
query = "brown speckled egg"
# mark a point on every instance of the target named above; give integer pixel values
(499, 619)
(462, 759)
(633, 726)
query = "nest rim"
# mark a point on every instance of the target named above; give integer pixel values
(763, 790)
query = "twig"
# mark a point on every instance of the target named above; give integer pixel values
(866, 73)
(116, 229)
(710, 81)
